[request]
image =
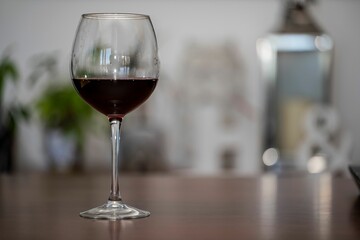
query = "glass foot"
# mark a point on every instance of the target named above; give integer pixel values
(114, 210)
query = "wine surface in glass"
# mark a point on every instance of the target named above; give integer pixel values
(115, 97)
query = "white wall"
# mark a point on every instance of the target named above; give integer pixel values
(39, 26)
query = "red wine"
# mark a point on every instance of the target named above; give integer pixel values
(115, 98)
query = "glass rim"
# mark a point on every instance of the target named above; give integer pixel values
(115, 16)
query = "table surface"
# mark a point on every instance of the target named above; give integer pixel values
(182, 207)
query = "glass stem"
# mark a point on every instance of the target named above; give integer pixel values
(115, 125)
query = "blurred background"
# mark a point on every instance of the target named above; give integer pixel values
(209, 112)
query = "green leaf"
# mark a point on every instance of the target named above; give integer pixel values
(8, 71)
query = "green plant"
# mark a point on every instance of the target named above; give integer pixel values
(61, 108)
(10, 114)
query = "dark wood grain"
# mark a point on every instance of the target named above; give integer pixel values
(266, 207)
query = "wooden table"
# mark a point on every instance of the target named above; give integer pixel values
(182, 207)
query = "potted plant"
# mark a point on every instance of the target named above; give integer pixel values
(11, 113)
(64, 116)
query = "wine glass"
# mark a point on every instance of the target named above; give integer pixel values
(115, 68)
